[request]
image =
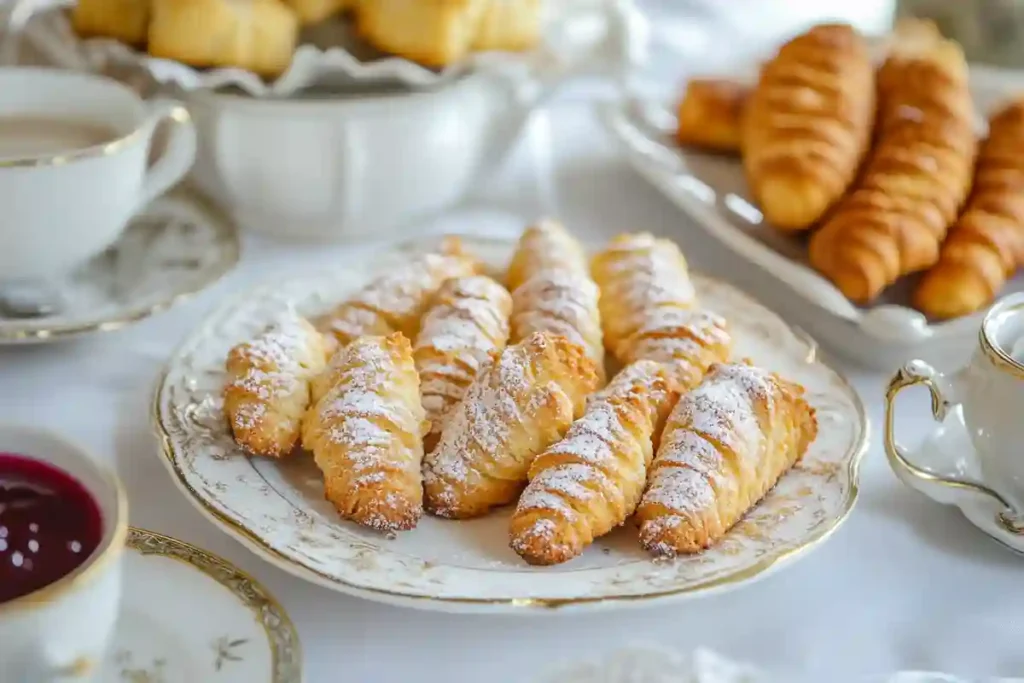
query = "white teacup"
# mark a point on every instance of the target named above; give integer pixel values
(990, 391)
(59, 632)
(74, 165)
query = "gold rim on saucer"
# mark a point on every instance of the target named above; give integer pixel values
(286, 650)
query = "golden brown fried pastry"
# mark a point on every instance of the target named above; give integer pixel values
(467, 323)
(916, 179)
(510, 25)
(124, 20)
(711, 115)
(431, 32)
(312, 11)
(259, 35)
(397, 300)
(688, 341)
(268, 387)
(638, 274)
(552, 290)
(523, 403)
(808, 124)
(366, 434)
(986, 246)
(725, 446)
(589, 482)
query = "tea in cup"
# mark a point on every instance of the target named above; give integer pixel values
(63, 524)
(74, 166)
(990, 392)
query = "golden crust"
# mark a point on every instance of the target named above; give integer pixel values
(986, 246)
(510, 25)
(711, 115)
(431, 32)
(808, 124)
(124, 20)
(312, 11)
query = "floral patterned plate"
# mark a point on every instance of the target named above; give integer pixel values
(189, 616)
(278, 509)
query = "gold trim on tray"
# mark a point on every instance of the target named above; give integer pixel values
(227, 237)
(853, 458)
(286, 650)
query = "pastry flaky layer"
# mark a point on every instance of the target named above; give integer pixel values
(520, 405)
(591, 480)
(808, 124)
(552, 290)
(466, 324)
(259, 35)
(268, 386)
(651, 311)
(366, 434)
(725, 446)
(986, 245)
(711, 115)
(916, 179)
(397, 300)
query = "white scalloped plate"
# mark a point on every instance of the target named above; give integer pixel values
(712, 190)
(277, 509)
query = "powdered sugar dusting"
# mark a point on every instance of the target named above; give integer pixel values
(562, 303)
(645, 272)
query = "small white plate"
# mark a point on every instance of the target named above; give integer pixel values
(177, 247)
(947, 453)
(712, 190)
(189, 616)
(278, 509)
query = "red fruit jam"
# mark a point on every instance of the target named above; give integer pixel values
(49, 525)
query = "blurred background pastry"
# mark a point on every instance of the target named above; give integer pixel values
(711, 113)
(124, 20)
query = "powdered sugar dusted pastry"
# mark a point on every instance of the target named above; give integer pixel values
(589, 482)
(465, 326)
(637, 274)
(366, 434)
(725, 446)
(258, 35)
(552, 290)
(124, 20)
(432, 32)
(397, 300)
(268, 387)
(510, 25)
(520, 405)
(688, 340)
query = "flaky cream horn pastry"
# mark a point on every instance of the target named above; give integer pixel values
(637, 274)
(689, 341)
(366, 434)
(808, 123)
(397, 300)
(124, 20)
(268, 386)
(521, 404)
(258, 35)
(466, 324)
(914, 183)
(986, 245)
(591, 481)
(662, 398)
(552, 290)
(725, 446)
(710, 115)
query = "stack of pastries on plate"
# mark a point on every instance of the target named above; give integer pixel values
(262, 35)
(443, 388)
(879, 165)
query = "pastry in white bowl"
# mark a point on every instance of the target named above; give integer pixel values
(258, 35)
(312, 11)
(124, 20)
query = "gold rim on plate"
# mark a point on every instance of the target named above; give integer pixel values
(283, 639)
(255, 542)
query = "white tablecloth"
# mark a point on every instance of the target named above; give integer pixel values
(904, 584)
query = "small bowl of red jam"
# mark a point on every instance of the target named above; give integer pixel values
(63, 523)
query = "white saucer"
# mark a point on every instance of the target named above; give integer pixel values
(189, 616)
(177, 247)
(948, 453)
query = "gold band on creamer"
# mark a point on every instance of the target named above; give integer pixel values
(1000, 358)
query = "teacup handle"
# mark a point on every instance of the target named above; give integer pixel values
(177, 157)
(945, 489)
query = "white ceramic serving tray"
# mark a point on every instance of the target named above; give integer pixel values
(712, 190)
(277, 508)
